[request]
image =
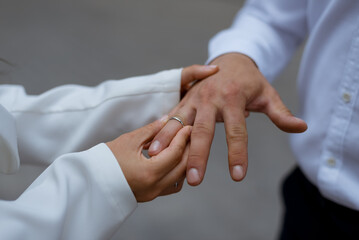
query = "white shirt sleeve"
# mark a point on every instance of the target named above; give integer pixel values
(74, 118)
(267, 31)
(80, 196)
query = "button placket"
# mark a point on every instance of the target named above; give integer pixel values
(332, 158)
(346, 96)
(331, 162)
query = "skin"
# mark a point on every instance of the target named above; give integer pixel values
(155, 176)
(151, 177)
(227, 96)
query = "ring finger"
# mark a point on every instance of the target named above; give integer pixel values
(165, 136)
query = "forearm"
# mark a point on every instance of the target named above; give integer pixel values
(72, 118)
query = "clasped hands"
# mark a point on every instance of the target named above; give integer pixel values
(226, 92)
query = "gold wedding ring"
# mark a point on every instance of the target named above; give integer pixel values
(177, 119)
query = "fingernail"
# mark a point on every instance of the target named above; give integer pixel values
(211, 66)
(298, 119)
(164, 119)
(237, 173)
(155, 146)
(193, 176)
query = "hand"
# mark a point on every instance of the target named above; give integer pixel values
(227, 96)
(193, 73)
(159, 175)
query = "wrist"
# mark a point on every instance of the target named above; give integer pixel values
(234, 57)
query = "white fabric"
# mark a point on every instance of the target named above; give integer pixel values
(9, 158)
(80, 195)
(328, 81)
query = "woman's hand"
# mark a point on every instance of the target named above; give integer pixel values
(159, 175)
(194, 73)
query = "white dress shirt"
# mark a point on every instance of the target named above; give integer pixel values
(81, 195)
(269, 31)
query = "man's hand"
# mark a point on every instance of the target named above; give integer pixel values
(227, 96)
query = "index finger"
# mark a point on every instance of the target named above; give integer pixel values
(164, 137)
(201, 140)
(166, 160)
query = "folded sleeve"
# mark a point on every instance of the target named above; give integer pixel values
(267, 31)
(80, 196)
(73, 118)
(9, 154)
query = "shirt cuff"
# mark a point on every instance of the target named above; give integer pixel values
(112, 180)
(256, 39)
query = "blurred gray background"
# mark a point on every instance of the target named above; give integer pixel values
(51, 43)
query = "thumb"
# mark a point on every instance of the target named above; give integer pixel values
(172, 155)
(145, 134)
(197, 72)
(282, 117)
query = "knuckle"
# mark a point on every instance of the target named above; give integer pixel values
(237, 133)
(230, 90)
(237, 156)
(278, 103)
(284, 110)
(195, 158)
(201, 129)
(177, 150)
(179, 106)
(166, 134)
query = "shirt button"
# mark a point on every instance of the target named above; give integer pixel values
(331, 162)
(346, 97)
